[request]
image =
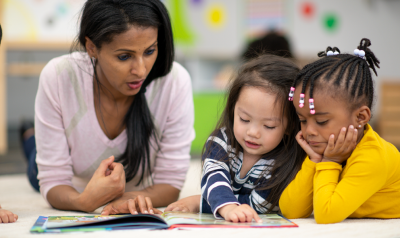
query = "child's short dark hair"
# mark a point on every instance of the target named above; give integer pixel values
(358, 88)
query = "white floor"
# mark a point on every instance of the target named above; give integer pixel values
(16, 195)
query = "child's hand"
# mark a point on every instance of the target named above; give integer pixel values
(188, 204)
(7, 216)
(139, 204)
(341, 150)
(314, 157)
(239, 213)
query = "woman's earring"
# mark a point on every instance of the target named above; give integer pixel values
(94, 61)
(359, 126)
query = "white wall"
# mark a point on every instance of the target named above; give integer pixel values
(378, 20)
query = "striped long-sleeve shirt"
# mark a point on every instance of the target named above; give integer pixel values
(219, 189)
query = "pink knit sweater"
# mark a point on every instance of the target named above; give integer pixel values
(71, 144)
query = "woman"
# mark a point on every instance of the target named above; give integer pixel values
(123, 97)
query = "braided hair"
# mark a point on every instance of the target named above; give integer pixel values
(347, 72)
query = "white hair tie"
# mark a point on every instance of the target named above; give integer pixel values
(359, 53)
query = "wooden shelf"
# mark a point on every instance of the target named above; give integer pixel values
(22, 45)
(25, 69)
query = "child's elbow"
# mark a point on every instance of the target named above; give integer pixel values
(295, 215)
(324, 218)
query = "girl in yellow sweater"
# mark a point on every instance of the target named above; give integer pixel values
(350, 170)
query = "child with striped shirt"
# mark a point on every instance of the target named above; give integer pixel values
(253, 154)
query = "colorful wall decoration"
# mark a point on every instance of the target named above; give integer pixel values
(40, 20)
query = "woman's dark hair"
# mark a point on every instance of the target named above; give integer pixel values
(273, 74)
(351, 75)
(101, 20)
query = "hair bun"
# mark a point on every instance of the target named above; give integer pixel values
(329, 52)
(369, 55)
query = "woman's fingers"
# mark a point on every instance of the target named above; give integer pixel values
(104, 166)
(156, 211)
(149, 205)
(132, 206)
(106, 210)
(142, 205)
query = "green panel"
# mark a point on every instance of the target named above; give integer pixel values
(207, 110)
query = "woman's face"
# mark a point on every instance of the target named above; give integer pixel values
(124, 63)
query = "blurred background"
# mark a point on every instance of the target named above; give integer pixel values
(212, 37)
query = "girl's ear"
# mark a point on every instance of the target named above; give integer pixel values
(363, 115)
(90, 48)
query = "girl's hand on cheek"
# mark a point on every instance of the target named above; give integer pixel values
(341, 150)
(314, 157)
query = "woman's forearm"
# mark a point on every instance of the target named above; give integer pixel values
(161, 195)
(65, 197)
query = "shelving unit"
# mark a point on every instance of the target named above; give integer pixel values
(22, 61)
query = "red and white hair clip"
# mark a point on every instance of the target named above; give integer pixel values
(291, 93)
(311, 105)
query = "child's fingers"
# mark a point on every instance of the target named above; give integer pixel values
(171, 207)
(331, 143)
(303, 143)
(251, 214)
(349, 137)
(241, 216)
(175, 209)
(11, 217)
(299, 137)
(341, 138)
(233, 217)
(4, 217)
(352, 141)
(256, 217)
(15, 217)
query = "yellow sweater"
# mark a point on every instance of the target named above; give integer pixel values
(367, 186)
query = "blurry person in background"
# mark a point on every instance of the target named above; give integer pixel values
(272, 43)
(6, 216)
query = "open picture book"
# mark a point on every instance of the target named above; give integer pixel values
(167, 220)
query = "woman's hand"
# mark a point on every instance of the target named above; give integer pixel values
(188, 204)
(158, 195)
(107, 183)
(341, 150)
(239, 213)
(314, 157)
(7, 216)
(140, 204)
